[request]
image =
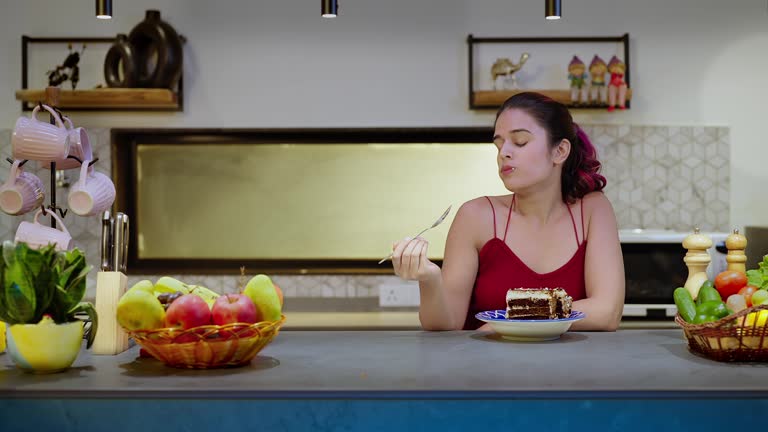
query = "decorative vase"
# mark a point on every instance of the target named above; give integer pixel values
(45, 347)
(158, 52)
(120, 68)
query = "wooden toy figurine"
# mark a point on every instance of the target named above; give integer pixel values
(578, 77)
(617, 87)
(598, 94)
(697, 259)
(736, 258)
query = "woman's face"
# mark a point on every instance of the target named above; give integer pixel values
(525, 157)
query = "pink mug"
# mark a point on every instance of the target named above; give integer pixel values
(37, 235)
(93, 193)
(38, 140)
(79, 146)
(21, 192)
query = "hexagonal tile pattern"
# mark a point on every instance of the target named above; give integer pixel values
(672, 177)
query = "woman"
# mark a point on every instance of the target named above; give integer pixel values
(556, 229)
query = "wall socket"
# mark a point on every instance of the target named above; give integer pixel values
(405, 293)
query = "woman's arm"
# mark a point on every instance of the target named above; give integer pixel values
(445, 292)
(603, 268)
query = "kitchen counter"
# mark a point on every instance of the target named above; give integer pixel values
(407, 364)
(401, 380)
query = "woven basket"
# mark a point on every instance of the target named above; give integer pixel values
(210, 346)
(729, 339)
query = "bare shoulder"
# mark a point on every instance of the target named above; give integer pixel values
(598, 211)
(475, 218)
(596, 203)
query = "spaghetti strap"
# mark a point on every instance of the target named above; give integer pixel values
(575, 230)
(494, 216)
(511, 205)
(583, 231)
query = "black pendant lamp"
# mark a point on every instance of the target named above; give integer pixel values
(554, 9)
(330, 8)
(104, 9)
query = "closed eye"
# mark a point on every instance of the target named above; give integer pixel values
(521, 144)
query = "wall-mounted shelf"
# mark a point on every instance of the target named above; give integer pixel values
(107, 98)
(493, 99)
(95, 98)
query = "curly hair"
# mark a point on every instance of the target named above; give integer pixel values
(581, 171)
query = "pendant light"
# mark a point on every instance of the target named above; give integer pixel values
(104, 9)
(330, 8)
(554, 9)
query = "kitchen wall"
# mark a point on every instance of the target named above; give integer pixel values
(698, 71)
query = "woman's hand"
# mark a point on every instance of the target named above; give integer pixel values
(409, 259)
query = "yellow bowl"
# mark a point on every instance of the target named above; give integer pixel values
(45, 347)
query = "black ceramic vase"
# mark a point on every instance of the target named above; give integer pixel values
(120, 68)
(158, 52)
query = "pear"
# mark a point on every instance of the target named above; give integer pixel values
(139, 309)
(265, 297)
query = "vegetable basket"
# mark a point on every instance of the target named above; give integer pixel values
(209, 346)
(740, 337)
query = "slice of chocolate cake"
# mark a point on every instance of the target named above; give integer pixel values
(538, 303)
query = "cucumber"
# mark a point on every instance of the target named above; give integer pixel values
(708, 293)
(685, 305)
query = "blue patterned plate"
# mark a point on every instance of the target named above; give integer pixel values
(528, 330)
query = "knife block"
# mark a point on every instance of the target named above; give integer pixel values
(110, 339)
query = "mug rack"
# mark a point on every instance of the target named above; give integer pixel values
(52, 100)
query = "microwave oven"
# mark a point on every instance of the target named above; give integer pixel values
(654, 267)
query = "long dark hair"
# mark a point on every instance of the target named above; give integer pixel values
(581, 171)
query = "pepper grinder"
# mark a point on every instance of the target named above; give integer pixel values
(697, 259)
(736, 258)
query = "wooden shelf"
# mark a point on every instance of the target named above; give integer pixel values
(108, 98)
(494, 98)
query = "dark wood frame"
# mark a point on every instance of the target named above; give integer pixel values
(472, 41)
(124, 144)
(27, 40)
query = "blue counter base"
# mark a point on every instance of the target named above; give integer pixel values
(626, 415)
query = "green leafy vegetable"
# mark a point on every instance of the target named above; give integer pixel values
(38, 282)
(759, 276)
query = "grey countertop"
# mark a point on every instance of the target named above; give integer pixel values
(414, 364)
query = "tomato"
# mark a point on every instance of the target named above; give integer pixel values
(730, 282)
(747, 292)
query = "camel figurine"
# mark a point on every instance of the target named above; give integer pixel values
(503, 72)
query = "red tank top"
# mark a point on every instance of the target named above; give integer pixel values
(500, 269)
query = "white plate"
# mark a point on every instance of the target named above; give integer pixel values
(528, 330)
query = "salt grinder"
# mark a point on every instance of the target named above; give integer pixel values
(736, 258)
(697, 259)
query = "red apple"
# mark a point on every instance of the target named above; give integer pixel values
(188, 311)
(233, 308)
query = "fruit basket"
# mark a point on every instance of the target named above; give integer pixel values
(209, 346)
(740, 337)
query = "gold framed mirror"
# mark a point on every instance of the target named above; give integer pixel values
(292, 201)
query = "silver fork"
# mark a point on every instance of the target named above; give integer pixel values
(437, 222)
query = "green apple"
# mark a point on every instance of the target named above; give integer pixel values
(265, 297)
(759, 297)
(142, 285)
